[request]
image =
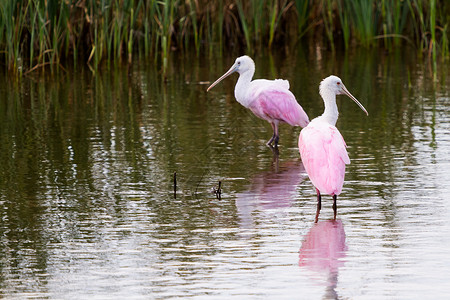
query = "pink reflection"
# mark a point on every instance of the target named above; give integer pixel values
(275, 188)
(322, 251)
(269, 190)
(324, 246)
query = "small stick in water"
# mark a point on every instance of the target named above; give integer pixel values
(219, 191)
(175, 185)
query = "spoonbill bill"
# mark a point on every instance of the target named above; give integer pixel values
(322, 147)
(270, 100)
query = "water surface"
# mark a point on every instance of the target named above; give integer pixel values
(86, 184)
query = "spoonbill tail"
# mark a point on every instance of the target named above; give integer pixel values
(270, 100)
(322, 147)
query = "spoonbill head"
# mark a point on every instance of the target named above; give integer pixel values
(332, 86)
(270, 100)
(243, 64)
(322, 147)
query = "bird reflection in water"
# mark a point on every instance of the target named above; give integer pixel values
(322, 251)
(272, 189)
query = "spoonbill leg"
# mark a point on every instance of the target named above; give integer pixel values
(319, 205)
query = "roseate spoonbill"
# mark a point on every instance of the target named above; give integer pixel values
(322, 147)
(270, 100)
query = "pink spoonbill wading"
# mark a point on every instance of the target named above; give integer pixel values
(322, 147)
(270, 100)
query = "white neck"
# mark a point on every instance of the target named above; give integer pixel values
(242, 86)
(331, 113)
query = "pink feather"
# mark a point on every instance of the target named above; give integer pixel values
(324, 156)
(276, 103)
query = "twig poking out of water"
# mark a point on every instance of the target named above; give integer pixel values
(175, 185)
(218, 191)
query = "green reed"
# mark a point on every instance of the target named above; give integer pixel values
(394, 15)
(345, 23)
(35, 34)
(433, 27)
(245, 27)
(303, 10)
(363, 15)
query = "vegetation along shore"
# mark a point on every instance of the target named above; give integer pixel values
(46, 33)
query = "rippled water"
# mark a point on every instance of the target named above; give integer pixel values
(87, 207)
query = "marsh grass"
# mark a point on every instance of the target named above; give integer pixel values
(36, 33)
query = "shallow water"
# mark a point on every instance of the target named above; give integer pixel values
(88, 208)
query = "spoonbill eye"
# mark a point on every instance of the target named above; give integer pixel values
(338, 83)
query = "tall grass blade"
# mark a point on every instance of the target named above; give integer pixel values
(244, 25)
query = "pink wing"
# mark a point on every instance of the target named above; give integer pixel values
(324, 155)
(275, 103)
